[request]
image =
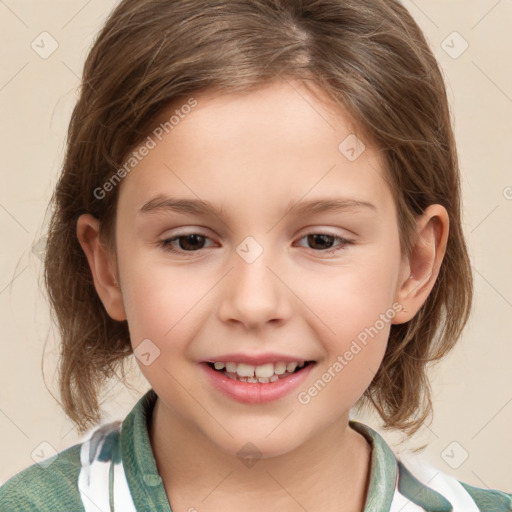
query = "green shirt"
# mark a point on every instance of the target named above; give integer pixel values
(115, 470)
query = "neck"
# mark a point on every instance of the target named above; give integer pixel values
(328, 472)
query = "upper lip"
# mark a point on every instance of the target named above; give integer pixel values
(256, 359)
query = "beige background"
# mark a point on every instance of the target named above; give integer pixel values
(472, 389)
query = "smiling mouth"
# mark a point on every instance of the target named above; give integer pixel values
(266, 373)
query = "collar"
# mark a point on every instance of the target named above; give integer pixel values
(147, 487)
(383, 470)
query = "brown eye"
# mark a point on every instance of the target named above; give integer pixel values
(192, 242)
(322, 243)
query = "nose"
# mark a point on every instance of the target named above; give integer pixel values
(254, 294)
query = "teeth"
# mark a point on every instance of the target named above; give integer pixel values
(231, 367)
(290, 367)
(264, 373)
(265, 370)
(279, 368)
(245, 370)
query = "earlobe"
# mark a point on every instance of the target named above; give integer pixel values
(420, 272)
(102, 265)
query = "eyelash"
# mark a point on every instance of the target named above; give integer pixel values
(167, 247)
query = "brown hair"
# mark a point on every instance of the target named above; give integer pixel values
(369, 56)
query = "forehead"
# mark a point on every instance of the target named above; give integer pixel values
(277, 143)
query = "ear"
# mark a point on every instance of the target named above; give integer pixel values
(102, 265)
(419, 272)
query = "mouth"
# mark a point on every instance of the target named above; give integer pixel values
(265, 373)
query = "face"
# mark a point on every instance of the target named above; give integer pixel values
(260, 275)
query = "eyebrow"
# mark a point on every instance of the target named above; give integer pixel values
(162, 203)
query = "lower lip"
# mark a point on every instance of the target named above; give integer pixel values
(256, 392)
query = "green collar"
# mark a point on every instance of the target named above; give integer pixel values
(147, 487)
(383, 470)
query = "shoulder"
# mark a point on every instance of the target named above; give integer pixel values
(425, 486)
(489, 500)
(48, 485)
(61, 481)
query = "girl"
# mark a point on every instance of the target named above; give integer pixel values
(305, 148)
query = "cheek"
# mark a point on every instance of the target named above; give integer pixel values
(155, 302)
(353, 311)
(353, 357)
(154, 297)
(159, 310)
(342, 379)
(350, 298)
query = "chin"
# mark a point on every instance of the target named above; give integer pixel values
(258, 446)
